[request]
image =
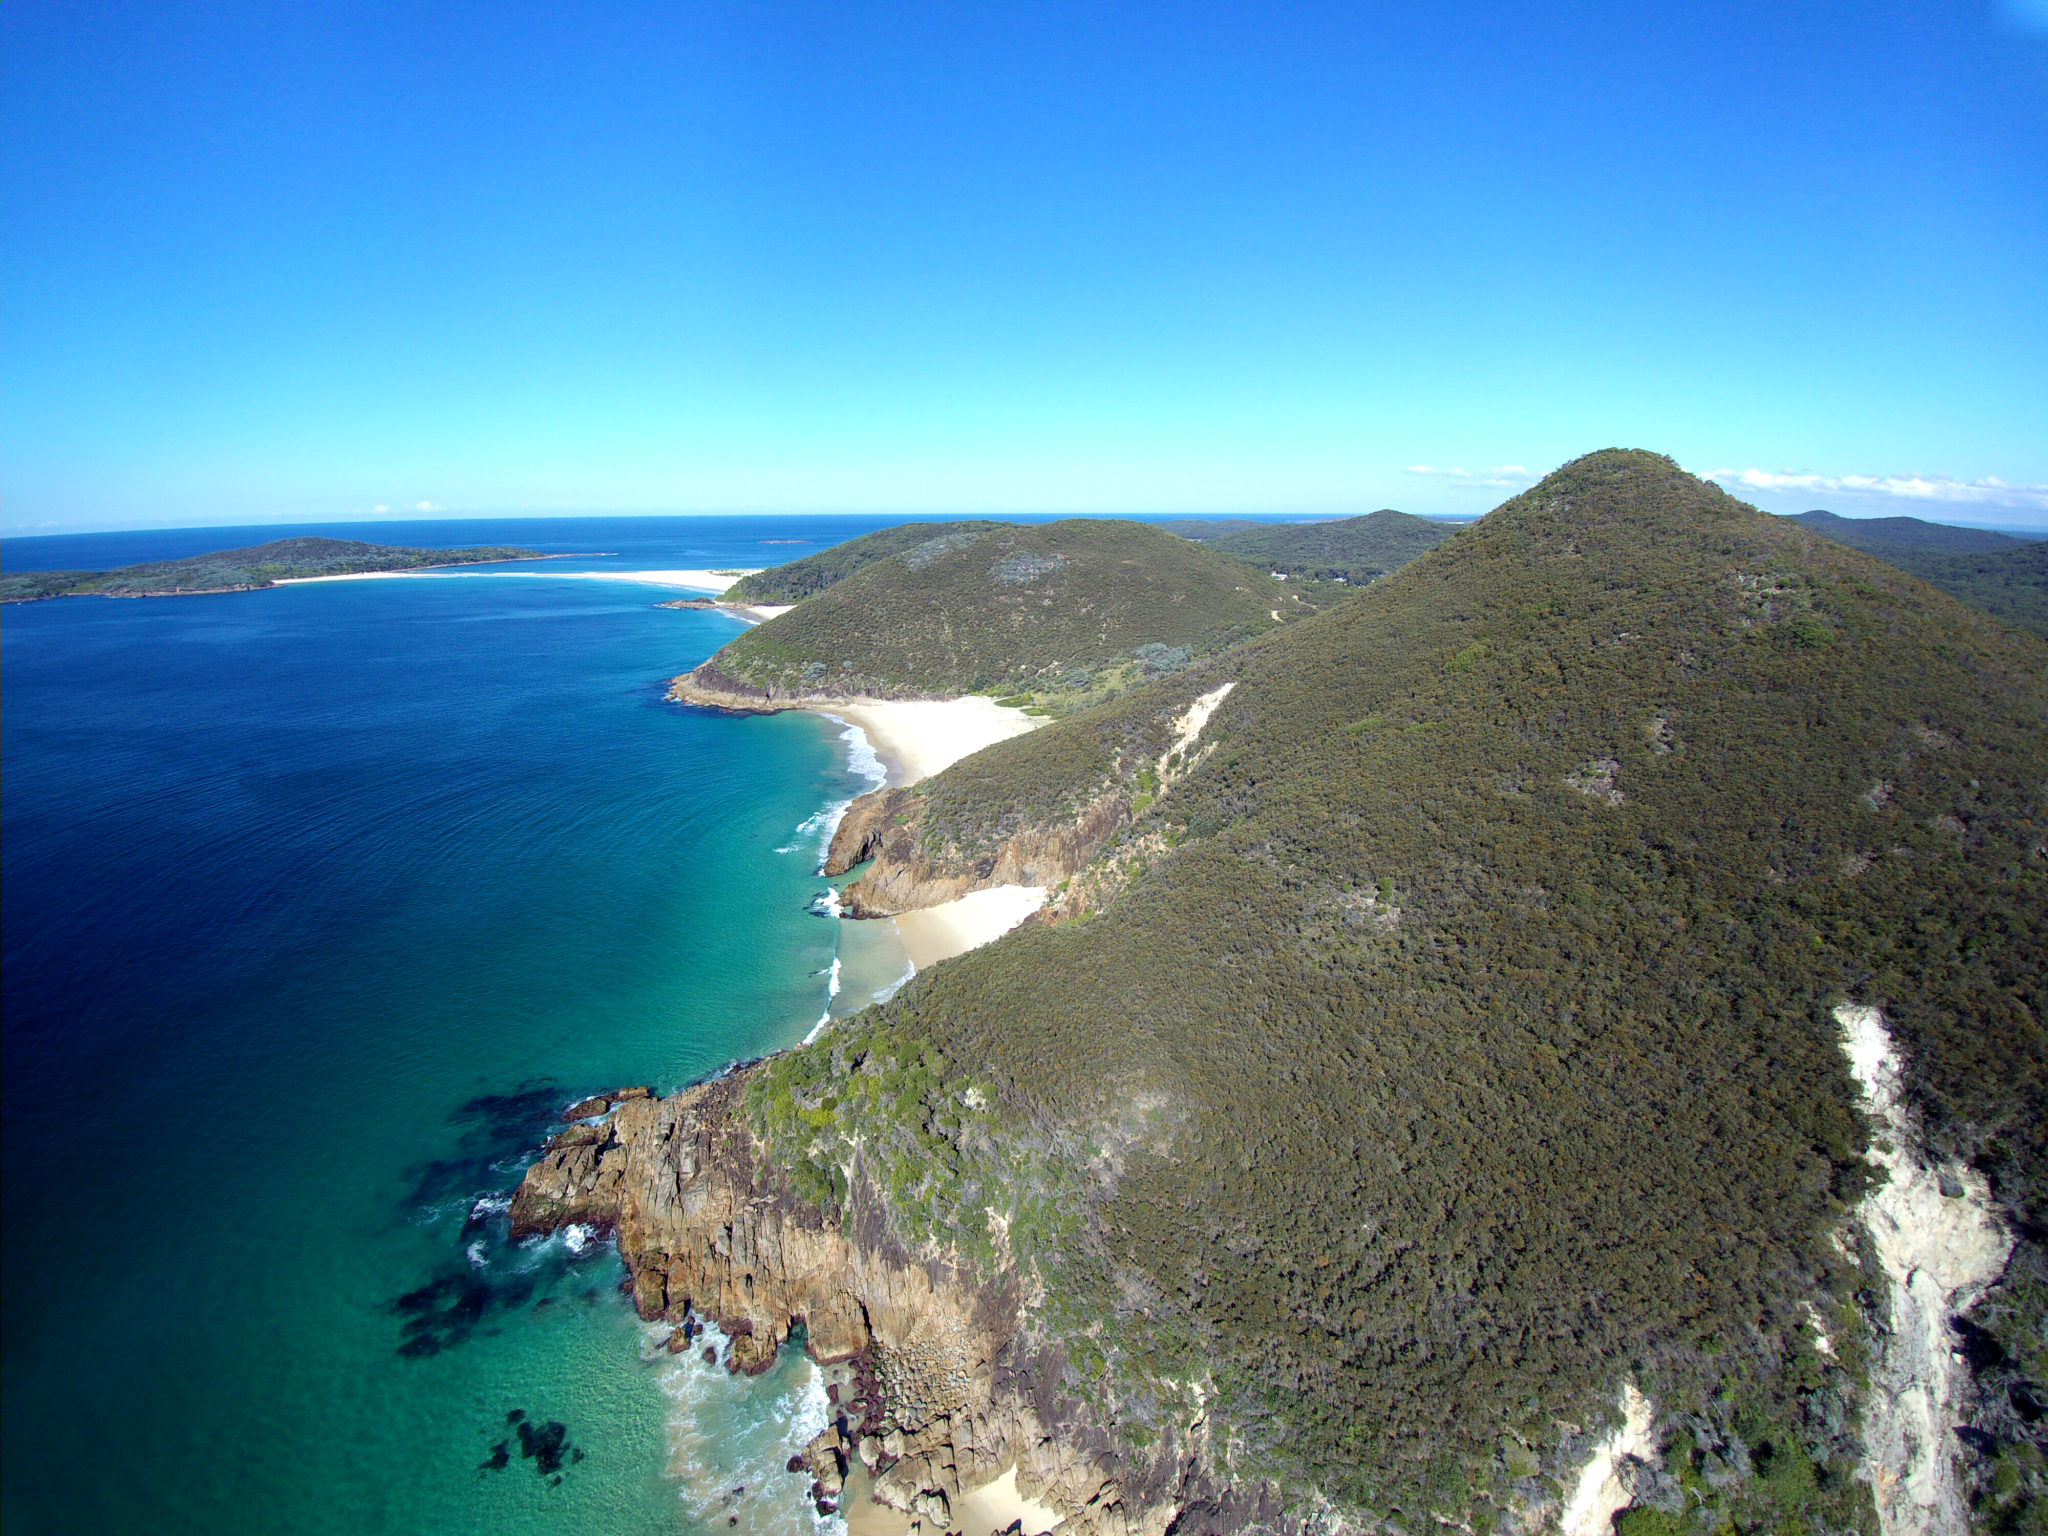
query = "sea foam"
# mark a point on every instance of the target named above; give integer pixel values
(730, 1437)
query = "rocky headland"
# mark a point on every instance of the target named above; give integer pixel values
(887, 827)
(951, 1389)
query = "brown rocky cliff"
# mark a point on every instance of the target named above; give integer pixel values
(704, 1223)
(888, 828)
(711, 685)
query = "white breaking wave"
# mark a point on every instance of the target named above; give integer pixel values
(860, 757)
(909, 970)
(815, 831)
(730, 1438)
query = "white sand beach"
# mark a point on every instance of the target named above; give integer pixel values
(694, 581)
(916, 738)
(952, 928)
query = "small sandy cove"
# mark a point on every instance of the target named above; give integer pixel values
(983, 1511)
(916, 738)
(952, 928)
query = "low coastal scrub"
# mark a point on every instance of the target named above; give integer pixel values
(1454, 1043)
(1995, 573)
(799, 579)
(1060, 614)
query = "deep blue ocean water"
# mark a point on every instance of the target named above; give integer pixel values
(319, 902)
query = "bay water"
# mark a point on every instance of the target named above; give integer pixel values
(320, 903)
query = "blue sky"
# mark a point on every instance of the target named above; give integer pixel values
(309, 260)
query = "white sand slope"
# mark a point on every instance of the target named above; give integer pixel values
(1939, 1251)
(916, 738)
(954, 927)
(1600, 1495)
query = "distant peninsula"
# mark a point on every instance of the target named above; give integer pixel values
(246, 570)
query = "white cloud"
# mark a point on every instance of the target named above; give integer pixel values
(1989, 491)
(380, 507)
(1500, 477)
(425, 506)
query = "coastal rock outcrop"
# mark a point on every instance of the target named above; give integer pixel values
(888, 828)
(713, 687)
(951, 1390)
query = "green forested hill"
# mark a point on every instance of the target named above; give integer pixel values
(235, 570)
(1356, 549)
(1045, 608)
(799, 579)
(2008, 584)
(1205, 529)
(1886, 536)
(1995, 573)
(1453, 1042)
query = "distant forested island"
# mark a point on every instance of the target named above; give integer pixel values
(245, 570)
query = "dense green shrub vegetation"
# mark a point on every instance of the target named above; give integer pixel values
(1886, 537)
(231, 570)
(1355, 550)
(2010, 585)
(799, 579)
(1054, 611)
(1458, 1043)
(1994, 573)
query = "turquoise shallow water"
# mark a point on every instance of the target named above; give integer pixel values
(318, 902)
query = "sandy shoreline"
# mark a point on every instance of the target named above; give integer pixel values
(692, 580)
(932, 934)
(982, 1511)
(916, 738)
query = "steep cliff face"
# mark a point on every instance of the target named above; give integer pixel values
(712, 686)
(888, 827)
(952, 1392)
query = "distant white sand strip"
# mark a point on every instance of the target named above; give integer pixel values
(916, 738)
(954, 927)
(694, 581)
